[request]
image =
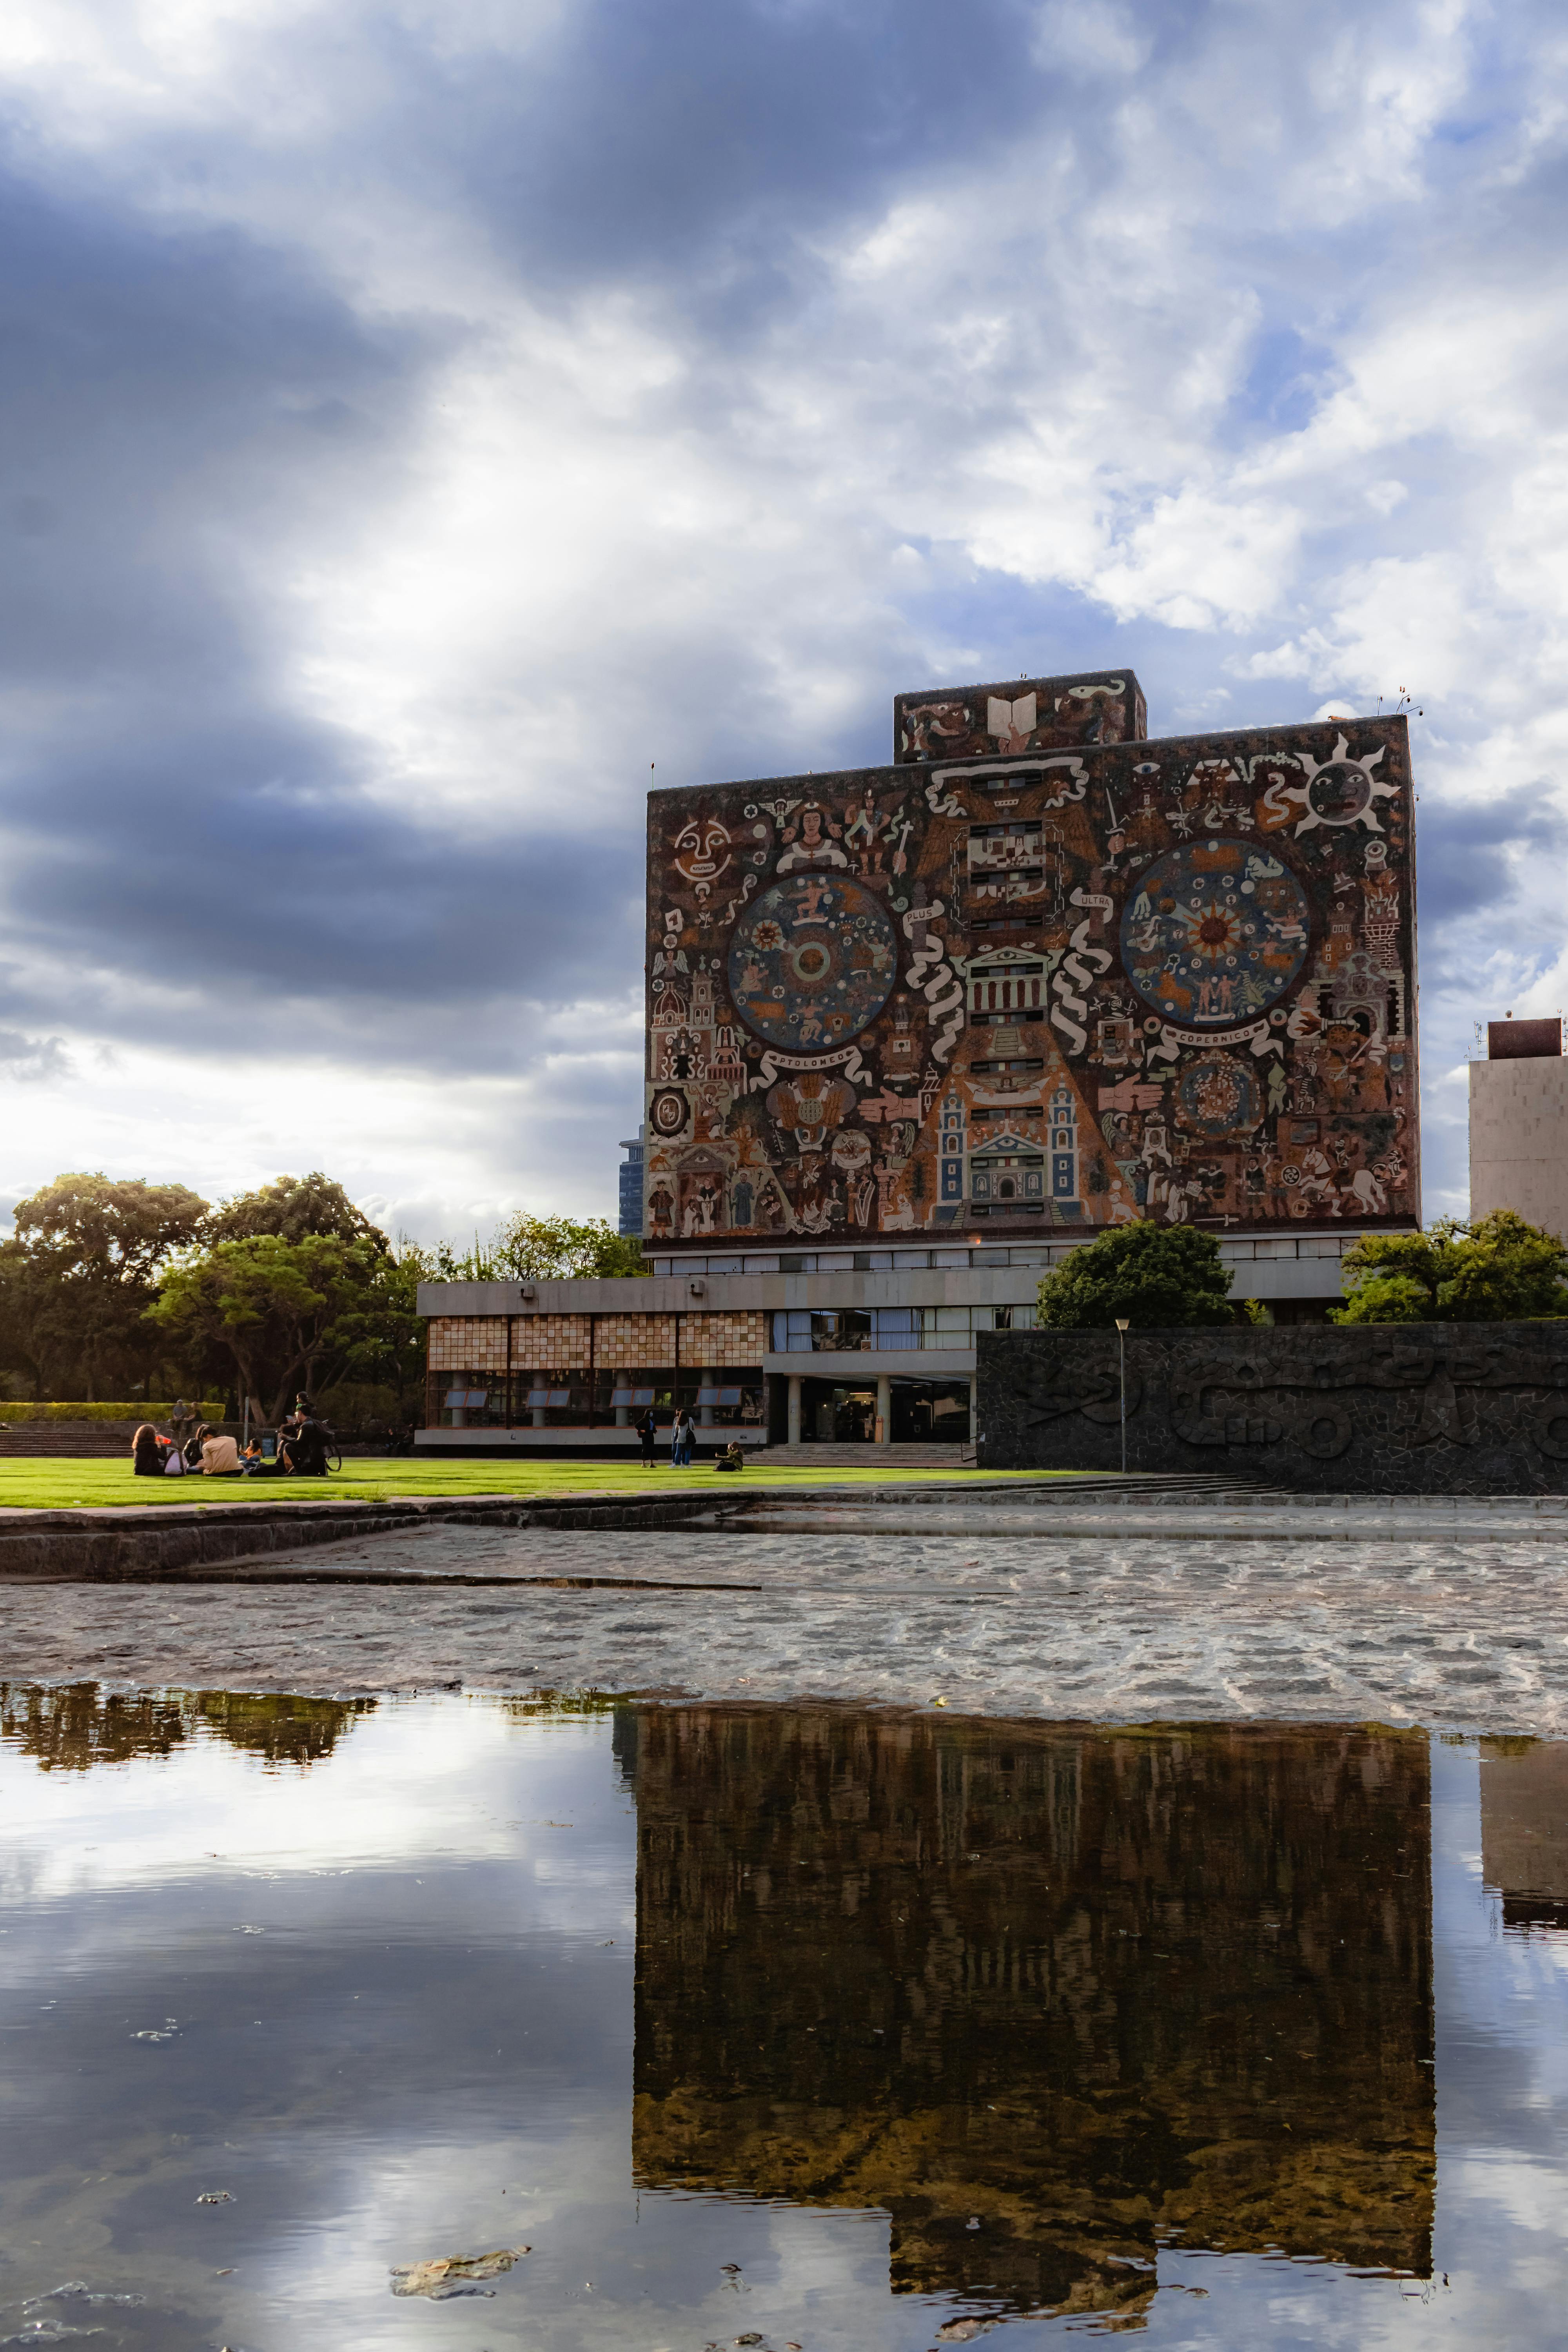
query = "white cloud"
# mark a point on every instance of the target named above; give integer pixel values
(706, 501)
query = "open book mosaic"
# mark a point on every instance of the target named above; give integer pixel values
(1049, 978)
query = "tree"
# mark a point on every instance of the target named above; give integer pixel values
(380, 1337)
(291, 1207)
(82, 1273)
(542, 1249)
(120, 1228)
(1159, 1277)
(287, 1314)
(1501, 1269)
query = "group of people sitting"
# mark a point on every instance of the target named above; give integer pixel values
(299, 1450)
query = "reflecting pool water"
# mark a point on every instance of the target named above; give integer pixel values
(771, 2027)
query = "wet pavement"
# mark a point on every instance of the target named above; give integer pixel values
(1107, 1614)
(770, 2027)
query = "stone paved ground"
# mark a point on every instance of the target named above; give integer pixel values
(1213, 1615)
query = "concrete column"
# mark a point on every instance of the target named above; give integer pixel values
(973, 1407)
(623, 1416)
(884, 1431)
(705, 1412)
(795, 1408)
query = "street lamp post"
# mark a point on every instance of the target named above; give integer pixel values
(1121, 1323)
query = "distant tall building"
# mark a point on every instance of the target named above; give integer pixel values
(631, 1184)
(1519, 1124)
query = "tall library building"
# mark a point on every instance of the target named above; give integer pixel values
(915, 1032)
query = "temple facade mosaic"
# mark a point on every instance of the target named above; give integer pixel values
(1038, 971)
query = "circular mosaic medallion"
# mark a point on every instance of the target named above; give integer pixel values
(667, 1112)
(812, 962)
(1214, 932)
(1218, 1097)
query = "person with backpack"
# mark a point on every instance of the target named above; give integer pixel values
(647, 1430)
(681, 1439)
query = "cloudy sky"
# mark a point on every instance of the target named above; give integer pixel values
(418, 418)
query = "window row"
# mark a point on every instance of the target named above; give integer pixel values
(803, 1331)
(576, 1398)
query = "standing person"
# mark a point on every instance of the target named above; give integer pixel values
(647, 1430)
(678, 1429)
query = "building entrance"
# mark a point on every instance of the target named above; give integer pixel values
(835, 1414)
(930, 1413)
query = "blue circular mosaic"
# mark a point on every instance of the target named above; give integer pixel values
(812, 962)
(1214, 932)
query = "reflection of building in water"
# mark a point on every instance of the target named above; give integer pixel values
(1095, 1991)
(1524, 1829)
(81, 1725)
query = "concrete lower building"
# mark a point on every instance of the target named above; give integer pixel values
(873, 1346)
(1519, 1124)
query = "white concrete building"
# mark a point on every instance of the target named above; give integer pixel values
(874, 1346)
(1519, 1124)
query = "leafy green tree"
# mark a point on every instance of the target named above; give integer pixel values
(542, 1249)
(1501, 1269)
(380, 1338)
(1159, 1277)
(291, 1207)
(288, 1315)
(82, 1274)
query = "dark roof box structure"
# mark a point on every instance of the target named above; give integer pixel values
(1523, 1041)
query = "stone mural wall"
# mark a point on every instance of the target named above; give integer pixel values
(1425, 1409)
(1047, 986)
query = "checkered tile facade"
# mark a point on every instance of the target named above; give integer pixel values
(559, 1342)
(739, 1338)
(468, 1343)
(628, 1343)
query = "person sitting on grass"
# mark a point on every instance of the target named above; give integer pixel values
(220, 1455)
(302, 1443)
(148, 1452)
(732, 1458)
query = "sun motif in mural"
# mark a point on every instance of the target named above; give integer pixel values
(1336, 790)
(812, 962)
(1215, 933)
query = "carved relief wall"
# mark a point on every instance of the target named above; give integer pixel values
(1053, 986)
(1420, 1409)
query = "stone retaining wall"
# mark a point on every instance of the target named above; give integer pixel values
(1412, 1409)
(141, 1543)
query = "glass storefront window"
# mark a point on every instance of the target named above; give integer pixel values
(467, 1401)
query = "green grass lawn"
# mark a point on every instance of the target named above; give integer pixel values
(57, 1481)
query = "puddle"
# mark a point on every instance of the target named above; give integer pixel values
(484, 2023)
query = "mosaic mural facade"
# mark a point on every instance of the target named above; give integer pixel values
(1053, 986)
(1027, 714)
